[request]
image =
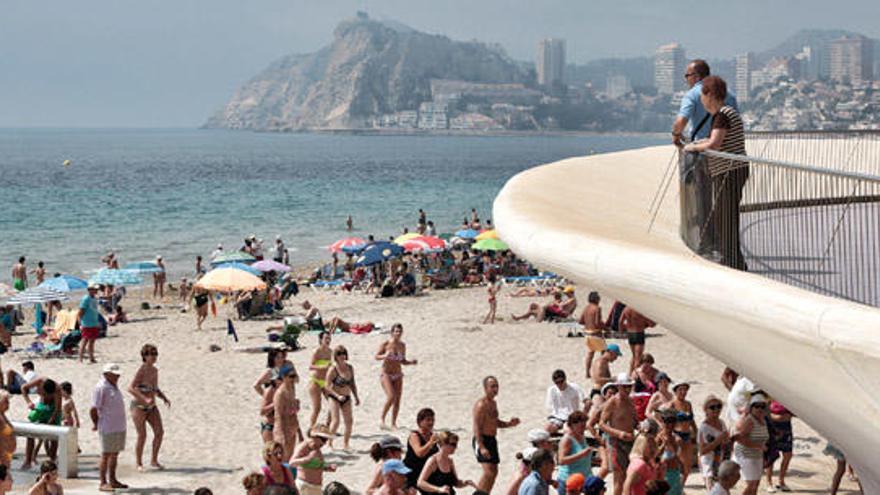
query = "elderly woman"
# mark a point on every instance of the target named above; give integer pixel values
(751, 438)
(728, 176)
(713, 440)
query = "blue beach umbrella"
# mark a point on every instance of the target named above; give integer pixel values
(64, 283)
(379, 252)
(235, 256)
(110, 276)
(143, 267)
(467, 233)
(242, 267)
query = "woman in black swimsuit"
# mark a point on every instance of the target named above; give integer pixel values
(201, 297)
(421, 445)
(340, 386)
(438, 475)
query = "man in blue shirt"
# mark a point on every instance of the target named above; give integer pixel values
(691, 114)
(538, 481)
(89, 322)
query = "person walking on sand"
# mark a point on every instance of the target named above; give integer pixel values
(159, 279)
(310, 462)
(89, 322)
(285, 407)
(392, 353)
(145, 389)
(751, 436)
(341, 387)
(591, 319)
(108, 419)
(322, 358)
(634, 324)
(19, 275)
(618, 422)
(486, 425)
(492, 291)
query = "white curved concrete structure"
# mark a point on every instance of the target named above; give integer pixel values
(588, 218)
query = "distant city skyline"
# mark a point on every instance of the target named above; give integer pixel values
(125, 63)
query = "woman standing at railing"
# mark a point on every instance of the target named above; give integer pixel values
(729, 176)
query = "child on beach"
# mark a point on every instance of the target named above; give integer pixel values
(492, 290)
(69, 416)
(47, 481)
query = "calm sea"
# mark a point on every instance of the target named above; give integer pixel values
(180, 192)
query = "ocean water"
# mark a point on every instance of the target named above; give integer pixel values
(179, 193)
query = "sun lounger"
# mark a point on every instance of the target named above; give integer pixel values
(327, 284)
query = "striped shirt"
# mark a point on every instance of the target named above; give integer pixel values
(734, 141)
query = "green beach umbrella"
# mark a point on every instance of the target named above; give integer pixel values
(491, 245)
(233, 257)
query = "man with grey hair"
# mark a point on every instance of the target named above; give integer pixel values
(728, 476)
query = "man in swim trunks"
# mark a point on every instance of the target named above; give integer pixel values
(601, 370)
(591, 319)
(19, 275)
(634, 324)
(89, 323)
(618, 421)
(486, 424)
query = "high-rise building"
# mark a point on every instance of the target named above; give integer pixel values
(550, 65)
(744, 65)
(669, 65)
(852, 59)
(617, 86)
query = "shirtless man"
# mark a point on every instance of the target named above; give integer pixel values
(486, 424)
(591, 319)
(19, 275)
(600, 371)
(634, 324)
(285, 407)
(618, 421)
(609, 390)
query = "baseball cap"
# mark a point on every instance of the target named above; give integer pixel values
(624, 379)
(662, 376)
(527, 453)
(394, 465)
(615, 349)
(93, 285)
(537, 435)
(390, 442)
(574, 483)
(112, 368)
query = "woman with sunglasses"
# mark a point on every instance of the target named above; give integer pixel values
(392, 353)
(575, 455)
(276, 471)
(341, 387)
(713, 441)
(439, 474)
(144, 388)
(751, 436)
(685, 428)
(669, 450)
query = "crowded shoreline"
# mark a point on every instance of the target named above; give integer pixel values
(446, 329)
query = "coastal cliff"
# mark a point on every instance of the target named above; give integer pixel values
(370, 68)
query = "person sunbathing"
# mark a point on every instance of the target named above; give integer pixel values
(120, 316)
(344, 326)
(556, 310)
(533, 291)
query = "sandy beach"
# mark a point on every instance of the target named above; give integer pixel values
(212, 428)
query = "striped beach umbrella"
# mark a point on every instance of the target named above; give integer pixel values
(405, 237)
(414, 246)
(435, 243)
(6, 291)
(110, 276)
(233, 257)
(36, 295)
(349, 245)
(240, 266)
(64, 283)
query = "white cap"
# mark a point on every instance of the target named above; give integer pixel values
(538, 435)
(624, 379)
(112, 368)
(528, 452)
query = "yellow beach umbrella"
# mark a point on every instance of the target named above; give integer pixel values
(405, 237)
(487, 234)
(229, 280)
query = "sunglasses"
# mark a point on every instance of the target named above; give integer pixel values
(759, 406)
(714, 407)
(689, 74)
(151, 353)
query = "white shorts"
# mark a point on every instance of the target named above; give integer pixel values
(306, 488)
(750, 468)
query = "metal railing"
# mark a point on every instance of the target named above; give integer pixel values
(800, 208)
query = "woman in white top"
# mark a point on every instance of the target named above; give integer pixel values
(713, 441)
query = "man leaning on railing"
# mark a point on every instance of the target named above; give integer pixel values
(728, 176)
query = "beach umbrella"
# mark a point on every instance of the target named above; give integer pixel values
(110, 276)
(241, 266)
(270, 266)
(378, 252)
(349, 244)
(491, 245)
(233, 257)
(405, 237)
(414, 246)
(435, 243)
(36, 295)
(64, 283)
(143, 267)
(229, 280)
(467, 233)
(487, 234)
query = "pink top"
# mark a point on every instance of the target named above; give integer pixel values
(646, 473)
(108, 400)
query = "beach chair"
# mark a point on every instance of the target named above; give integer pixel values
(327, 284)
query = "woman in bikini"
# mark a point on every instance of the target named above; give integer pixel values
(660, 397)
(276, 471)
(669, 448)
(392, 353)
(321, 360)
(7, 436)
(492, 291)
(338, 323)
(439, 474)
(144, 410)
(201, 298)
(341, 387)
(685, 427)
(310, 464)
(275, 359)
(159, 279)
(285, 407)
(267, 409)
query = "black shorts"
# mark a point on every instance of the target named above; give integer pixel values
(636, 338)
(491, 444)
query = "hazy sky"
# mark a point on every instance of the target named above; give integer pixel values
(174, 62)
